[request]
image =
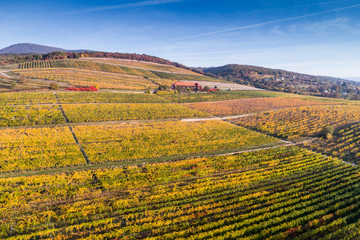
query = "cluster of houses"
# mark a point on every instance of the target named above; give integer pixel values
(191, 87)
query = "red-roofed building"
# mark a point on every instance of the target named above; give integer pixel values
(183, 86)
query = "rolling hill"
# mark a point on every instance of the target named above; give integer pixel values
(104, 73)
(284, 81)
(253, 76)
(24, 48)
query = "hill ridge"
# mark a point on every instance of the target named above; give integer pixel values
(284, 81)
(23, 48)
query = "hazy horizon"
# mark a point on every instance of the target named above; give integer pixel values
(353, 78)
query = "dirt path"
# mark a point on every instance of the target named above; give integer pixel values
(255, 150)
(215, 118)
(3, 73)
(85, 156)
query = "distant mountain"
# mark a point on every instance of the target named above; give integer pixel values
(284, 81)
(23, 48)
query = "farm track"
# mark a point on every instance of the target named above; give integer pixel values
(72, 132)
(215, 118)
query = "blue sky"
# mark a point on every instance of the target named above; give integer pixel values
(316, 37)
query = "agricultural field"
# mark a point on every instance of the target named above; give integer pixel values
(297, 122)
(122, 142)
(108, 97)
(24, 149)
(81, 77)
(163, 82)
(344, 144)
(88, 65)
(251, 105)
(217, 96)
(33, 98)
(30, 115)
(122, 111)
(143, 65)
(24, 98)
(283, 193)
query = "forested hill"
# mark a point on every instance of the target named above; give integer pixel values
(12, 58)
(285, 81)
(22, 48)
(30, 48)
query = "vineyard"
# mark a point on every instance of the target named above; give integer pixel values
(88, 65)
(80, 77)
(109, 97)
(345, 144)
(301, 121)
(26, 98)
(217, 96)
(120, 142)
(145, 65)
(301, 196)
(121, 111)
(37, 148)
(30, 115)
(243, 106)
(112, 165)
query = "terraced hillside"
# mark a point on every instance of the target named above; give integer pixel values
(147, 73)
(105, 73)
(110, 165)
(143, 65)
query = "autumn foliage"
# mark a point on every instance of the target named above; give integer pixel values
(301, 121)
(278, 193)
(82, 89)
(243, 106)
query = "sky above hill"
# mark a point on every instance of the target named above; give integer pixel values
(316, 37)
